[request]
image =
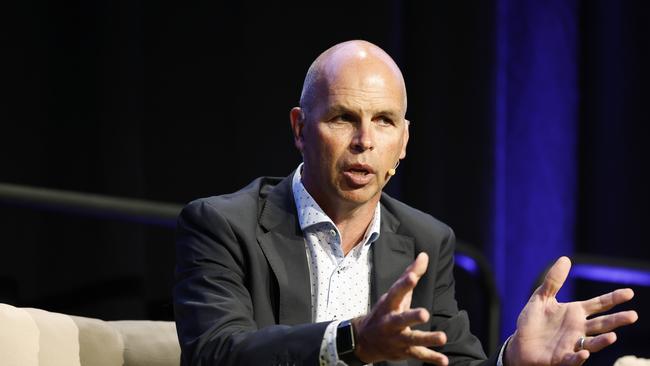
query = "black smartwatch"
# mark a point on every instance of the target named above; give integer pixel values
(346, 344)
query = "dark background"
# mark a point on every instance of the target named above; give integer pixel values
(175, 101)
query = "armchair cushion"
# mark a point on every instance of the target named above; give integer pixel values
(58, 339)
(99, 343)
(18, 337)
(149, 343)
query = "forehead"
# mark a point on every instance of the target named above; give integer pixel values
(367, 85)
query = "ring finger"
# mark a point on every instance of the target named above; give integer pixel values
(596, 343)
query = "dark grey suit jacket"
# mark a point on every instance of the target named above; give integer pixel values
(242, 291)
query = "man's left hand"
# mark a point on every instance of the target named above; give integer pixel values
(549, 332)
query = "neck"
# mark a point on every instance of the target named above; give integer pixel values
(351, 218)
(353, 225)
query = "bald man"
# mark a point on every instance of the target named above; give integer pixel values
(322, 268)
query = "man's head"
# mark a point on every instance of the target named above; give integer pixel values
(350, 126)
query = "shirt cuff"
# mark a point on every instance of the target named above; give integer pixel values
(503, 348)
(328, 353)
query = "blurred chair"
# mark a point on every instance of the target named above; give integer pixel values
(476, 293)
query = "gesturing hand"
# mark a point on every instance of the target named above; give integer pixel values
(549, 332)
(386, 334)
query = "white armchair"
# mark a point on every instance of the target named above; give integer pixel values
(35, 337)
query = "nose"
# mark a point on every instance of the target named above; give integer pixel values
(363, 137)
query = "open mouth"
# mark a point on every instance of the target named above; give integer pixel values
(359, 171)
(358, 175)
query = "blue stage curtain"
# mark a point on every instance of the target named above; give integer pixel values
(535, 144)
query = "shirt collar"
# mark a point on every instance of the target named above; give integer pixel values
(310, 213)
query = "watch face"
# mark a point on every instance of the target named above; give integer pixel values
(344, 338)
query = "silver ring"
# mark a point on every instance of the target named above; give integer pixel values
(581, 343)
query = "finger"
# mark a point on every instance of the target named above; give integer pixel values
(408, 318)
(609, 322)
(607, 301)
(419, 265)
(400, 289)
(426, 339)
(407, 281)
(595, 344)
(555, 277)
(427, 355)
(576, 358)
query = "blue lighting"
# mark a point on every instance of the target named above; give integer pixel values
(609, 274)
(466, 263)
(536, 113)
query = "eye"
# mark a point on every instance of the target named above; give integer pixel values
(342, 118)
(346, 117)
(384, 121)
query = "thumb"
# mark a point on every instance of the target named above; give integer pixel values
(555, 277)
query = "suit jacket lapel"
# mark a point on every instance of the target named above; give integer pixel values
(283, 245)
(391, 254)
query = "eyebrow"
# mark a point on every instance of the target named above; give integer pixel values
(338, 108)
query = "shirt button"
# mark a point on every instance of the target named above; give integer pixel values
(333, 232)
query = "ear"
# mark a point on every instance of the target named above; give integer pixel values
(297, 117)
(405, 138)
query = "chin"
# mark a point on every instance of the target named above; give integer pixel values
(359, 196)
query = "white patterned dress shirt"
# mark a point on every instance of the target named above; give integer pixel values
(340, 284)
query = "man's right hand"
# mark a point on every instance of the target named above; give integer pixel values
(385, 333)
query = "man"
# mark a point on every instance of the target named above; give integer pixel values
(322, 267)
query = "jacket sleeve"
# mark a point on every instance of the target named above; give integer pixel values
(213, 307)
(462, 347)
